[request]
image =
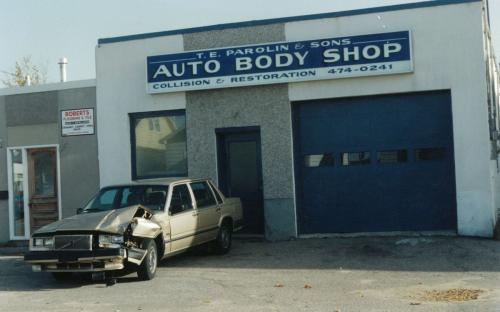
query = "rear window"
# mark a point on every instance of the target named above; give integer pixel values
(217, 195)
(202, 194)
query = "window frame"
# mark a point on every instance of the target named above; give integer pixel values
(191, 195)
(216, 192)
(133, 157)
(209, 188)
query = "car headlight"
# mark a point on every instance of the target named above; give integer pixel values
(110, 241)
(42, 242)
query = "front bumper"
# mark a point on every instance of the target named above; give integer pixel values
(77, 260)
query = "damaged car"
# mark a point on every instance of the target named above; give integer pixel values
(135, 226)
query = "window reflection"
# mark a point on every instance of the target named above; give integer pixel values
(423, 154)
(355, 158)
(393, 156)
(160, 145)
(18, 190)
(319, 160)
(44, 173)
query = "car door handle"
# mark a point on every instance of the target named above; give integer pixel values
(195, 214)
(218, 209)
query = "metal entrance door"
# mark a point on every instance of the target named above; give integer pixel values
(240, 173)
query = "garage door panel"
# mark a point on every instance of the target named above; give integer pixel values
(408, 182)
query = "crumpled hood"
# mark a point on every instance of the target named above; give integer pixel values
(112, 221)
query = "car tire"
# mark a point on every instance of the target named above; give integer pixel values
(62, 276)
(224, 239)
(147, 269)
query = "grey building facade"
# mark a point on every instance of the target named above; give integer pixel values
(51, 175)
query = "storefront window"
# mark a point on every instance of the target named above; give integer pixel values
(18, 190)
(158, 144)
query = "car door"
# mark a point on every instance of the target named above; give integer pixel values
(208, 211)
(183, 218)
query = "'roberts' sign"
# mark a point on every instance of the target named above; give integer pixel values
(331, 58)
(77, 122)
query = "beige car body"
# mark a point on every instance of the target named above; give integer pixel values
(172, 233)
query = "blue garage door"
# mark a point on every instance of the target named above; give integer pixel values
(371, 164)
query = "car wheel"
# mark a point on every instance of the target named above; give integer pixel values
(147, 269)
(224, 238)
(62, 276)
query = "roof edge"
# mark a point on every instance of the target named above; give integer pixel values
(388, 8)
(75, 84)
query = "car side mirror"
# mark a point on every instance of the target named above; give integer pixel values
(79, 211)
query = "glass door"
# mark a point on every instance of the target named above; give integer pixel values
(42, 175)
(33, 188)
(18, 183)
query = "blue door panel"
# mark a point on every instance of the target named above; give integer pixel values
(414, 195)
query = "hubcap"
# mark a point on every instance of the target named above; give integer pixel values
(152, 260)
(225, 237)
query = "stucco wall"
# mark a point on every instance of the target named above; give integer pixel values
(34, 119)
(264, 106)
(79, 160)
(4, 208)
(3, 144)
(448, 54)
(121, 89)
(4, 225)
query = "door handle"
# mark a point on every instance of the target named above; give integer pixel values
(218, 209)
(195, 214)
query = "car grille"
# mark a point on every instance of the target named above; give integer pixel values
(73, 242)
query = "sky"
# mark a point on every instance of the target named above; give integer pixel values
(49, 29)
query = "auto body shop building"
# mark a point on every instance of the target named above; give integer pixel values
(374, 120)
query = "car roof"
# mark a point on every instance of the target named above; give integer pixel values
(159, 181)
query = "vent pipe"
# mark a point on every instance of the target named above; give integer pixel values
(62, 68)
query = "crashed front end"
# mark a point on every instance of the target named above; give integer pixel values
(94, 250)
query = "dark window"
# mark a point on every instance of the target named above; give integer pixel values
(393, 156)
(158, 141)
(104, 200)
(202, 194)
(429, 154)
(216, 192)
(356, 158)
(152, 197)
(181, 199)
(319, 160)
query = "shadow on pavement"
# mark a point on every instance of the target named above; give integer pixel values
(425, 254)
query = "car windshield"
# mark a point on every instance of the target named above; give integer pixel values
(150, 196)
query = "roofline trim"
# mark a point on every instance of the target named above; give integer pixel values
(56, 86)
(389, 8)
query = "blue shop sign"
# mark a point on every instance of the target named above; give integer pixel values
(282, 62)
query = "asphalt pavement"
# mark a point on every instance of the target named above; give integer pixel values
(332, 274)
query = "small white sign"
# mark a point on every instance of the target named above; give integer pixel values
(77, 122)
